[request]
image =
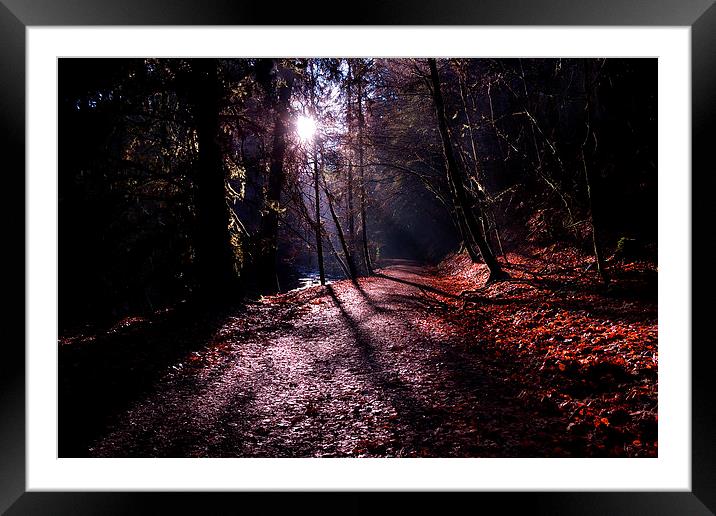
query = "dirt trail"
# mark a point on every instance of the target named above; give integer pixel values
(345, 370)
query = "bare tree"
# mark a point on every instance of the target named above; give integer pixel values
(465, 212)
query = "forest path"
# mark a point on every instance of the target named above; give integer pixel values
(344, 370)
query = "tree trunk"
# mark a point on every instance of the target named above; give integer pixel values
(361, 165)
(349, 176)
(350, 264)
(464, 235)
(479, 173)
(601, 267)
(213, 258)
(319, 236)
(462, 205)
(338, 258)
(281, 94)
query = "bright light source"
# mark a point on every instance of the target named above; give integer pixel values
(306, 128)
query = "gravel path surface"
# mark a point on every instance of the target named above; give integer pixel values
(342, 370)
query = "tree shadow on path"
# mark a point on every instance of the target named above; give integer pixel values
(420, 286)
(412, 412)
(443, 389)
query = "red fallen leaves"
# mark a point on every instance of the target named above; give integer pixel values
(196, 361)
(594, 351)
(304, 295)
(90, 333)
(127, 322)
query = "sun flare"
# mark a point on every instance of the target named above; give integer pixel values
(306, 128)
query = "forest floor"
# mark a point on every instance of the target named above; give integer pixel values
(414, 361)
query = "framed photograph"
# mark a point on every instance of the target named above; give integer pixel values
(274, 250)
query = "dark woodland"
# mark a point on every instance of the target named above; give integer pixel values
(357, 257)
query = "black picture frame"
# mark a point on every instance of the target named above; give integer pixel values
(700, 15)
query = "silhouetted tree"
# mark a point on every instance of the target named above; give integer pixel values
(463, 209)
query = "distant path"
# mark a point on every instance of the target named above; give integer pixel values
(346, 370)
